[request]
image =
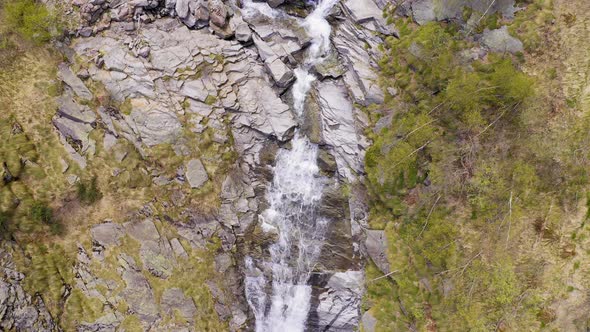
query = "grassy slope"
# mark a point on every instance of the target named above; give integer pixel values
(46, 254)
(505, 240)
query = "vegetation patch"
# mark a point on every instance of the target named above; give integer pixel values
(473, 177)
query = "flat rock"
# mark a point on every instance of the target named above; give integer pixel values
(195, 89)
(142, 230)
(196, 174)
(157, 257)
(74, 82)
(156, 126)
(107, 234)
(338, 126)
(367, 11)
(281, 74)
(267, 112)
(139, 296)
(376, 244)
(500, 40)
(173, 299)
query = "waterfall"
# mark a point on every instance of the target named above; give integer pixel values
(293, 197)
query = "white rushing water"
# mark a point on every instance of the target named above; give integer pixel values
(293, 197)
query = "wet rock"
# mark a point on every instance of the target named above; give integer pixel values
(326, 162)
(337, 252)
(282, 74)
(196, 173)
(339, 305)
(500, 40)
(330, 67)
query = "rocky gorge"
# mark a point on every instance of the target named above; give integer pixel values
(270, 165)
(144, 74)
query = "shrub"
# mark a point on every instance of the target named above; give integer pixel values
(89, 193)
(4, 219)
(40, 212)
(30, 19)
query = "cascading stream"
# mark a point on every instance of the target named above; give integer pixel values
(293, 197)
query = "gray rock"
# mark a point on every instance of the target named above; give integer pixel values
(339, 128)
(69, 78)
(326, 162)
(64, 165)
(70, 109)
(19, 311)
(196, 174)
(139, 296)
(223, 262)
(266, 111)
(144, 230)
(157, 257)
(329, 67)
(361, 75)
(367, 13)
(500, 40)
(339, 305)
(369, 322)
(74, 124)
(156, 126)
(195, 89)
(173, 299)
(178, 248)
(182, 8)
(282, 74)
(107, 234)
(376, 244)
(242, 30)
(425, 11)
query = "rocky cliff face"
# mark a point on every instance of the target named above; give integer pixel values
(210, 82)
